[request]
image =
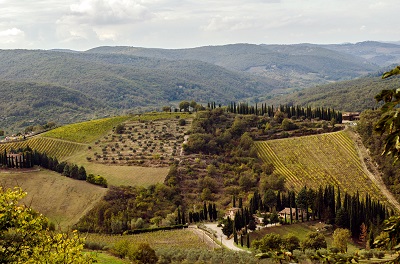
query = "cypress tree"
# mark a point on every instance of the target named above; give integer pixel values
(210, 212)
(205, 211)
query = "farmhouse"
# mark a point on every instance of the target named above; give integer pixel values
(286, 212)
(351, 116)
(231, 212)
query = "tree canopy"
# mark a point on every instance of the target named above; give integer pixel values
(26, 236)
(389, 122)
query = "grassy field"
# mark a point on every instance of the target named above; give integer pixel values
(327, 158)
(63, 200)
(184, 239)
(300, 230)
(120, 175)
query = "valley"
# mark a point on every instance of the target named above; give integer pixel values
(255, 153)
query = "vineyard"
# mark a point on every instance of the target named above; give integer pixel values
(319, 160)
(86, 132)
(52, 147)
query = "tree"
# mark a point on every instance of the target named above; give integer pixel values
(274, 218)
(82, 173)
(166, 109)
(252, 225)
(269, 242)
(26, 236)
(390, 238)
(228, 227)
(74, 171)
(184, 105)
(269, 199)
(314, 241)
(142, 253)
(389, 122)
(291, 242)
(341, 237)
(119, 129)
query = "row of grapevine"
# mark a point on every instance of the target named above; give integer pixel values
(86, 132)
(52, 147)
(312, 160)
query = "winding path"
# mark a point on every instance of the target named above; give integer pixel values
(372, 170)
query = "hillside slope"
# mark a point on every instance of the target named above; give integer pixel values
(62, 199)
(354, 95)
(291, 65)
(321, 159)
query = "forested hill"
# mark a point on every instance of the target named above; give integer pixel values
(24, 104)
(379, 53)
(125, 82)
(291, 65)
(354, 95)
(108, 80)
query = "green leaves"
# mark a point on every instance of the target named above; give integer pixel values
(389, 122)
(26, 239)
(388, 74)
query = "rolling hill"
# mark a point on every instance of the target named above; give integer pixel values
(353, 95)
(112, 80)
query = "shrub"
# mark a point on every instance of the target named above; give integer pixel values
(142, 253)
(120, 248)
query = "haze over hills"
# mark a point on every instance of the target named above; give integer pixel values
(110, 80)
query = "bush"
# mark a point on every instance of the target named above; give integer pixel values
(94, 245)
(379, 254)
(367, 254)
(182, 122)
(120, 249)
(98, 180)
(142, 253)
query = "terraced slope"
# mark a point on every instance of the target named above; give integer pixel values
(319, 160)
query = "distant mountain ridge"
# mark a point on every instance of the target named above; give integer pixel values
(107, 80)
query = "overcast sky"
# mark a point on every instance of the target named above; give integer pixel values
(84, 24)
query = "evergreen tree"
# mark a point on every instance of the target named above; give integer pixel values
(82, 173)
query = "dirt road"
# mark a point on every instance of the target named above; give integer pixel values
(228, 243)
(372, 170)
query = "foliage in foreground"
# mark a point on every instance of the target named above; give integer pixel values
(390, 117)
(25, 235)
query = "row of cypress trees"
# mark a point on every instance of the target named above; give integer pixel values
(327, 204)
(291, 111)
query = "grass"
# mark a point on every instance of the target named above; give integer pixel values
(61, 199)
(311, 160)
(121, 175)
(104, 258)
(86, 132)
(300, 230)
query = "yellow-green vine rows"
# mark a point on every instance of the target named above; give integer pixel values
(319, 160)
(52, 147)
(86, 132)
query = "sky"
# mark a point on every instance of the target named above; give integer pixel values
(85, 24)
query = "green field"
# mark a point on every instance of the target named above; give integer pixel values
(319, 159)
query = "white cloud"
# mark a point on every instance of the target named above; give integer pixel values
(11, 35)
(82, 24)
(98, 12)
